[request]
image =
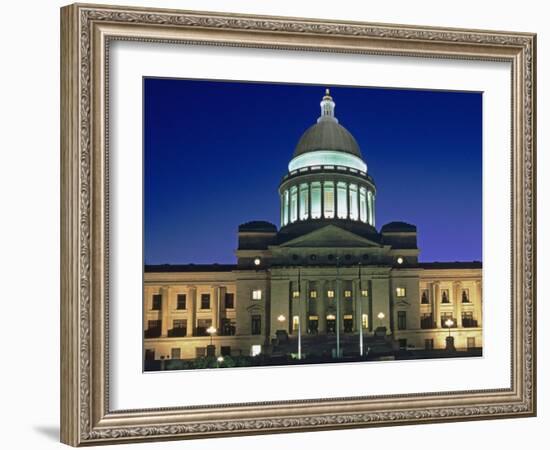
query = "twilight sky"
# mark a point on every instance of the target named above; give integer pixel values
(215, 152)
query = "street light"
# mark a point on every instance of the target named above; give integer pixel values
(281, 318)
(449, 323)
(211, 331)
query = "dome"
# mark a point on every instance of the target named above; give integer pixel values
(327, 134)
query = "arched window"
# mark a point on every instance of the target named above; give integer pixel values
(329, 200)
(424, 300)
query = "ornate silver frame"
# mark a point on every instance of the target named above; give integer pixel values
(86, 31)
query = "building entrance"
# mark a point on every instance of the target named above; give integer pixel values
(313, 325)
(348, 324)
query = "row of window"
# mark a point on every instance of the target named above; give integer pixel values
(446, 318)
(181, 301)
(313, 323)
(444, 296)
(330, 293)
(179, 327)
(329, 200)
(229, 299)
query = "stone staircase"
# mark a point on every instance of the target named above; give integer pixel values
(325, 345)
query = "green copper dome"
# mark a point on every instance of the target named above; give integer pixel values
(327, 134)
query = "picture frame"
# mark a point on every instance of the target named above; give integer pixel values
(87, 31)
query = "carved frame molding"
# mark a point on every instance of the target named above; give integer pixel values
(86, 31)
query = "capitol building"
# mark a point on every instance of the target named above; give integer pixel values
(326, 279)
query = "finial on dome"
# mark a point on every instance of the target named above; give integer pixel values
(327, 107)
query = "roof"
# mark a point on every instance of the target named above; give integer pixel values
(258, 225)
(327, 134)
(398, 227)
(190, 268)
(451, 265)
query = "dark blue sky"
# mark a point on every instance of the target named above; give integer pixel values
(215, 152)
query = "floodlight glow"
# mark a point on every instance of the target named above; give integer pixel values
(327, 158)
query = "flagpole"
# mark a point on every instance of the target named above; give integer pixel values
(360, 313)
(337, 307)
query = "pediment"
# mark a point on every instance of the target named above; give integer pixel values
(330, 236)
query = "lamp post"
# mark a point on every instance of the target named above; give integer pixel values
(211, 331)
(211, 349)
(449, 324)
(449, 341)
(299, 315)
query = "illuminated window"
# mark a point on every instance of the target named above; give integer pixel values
(347, 294)
(293, 204)
(370, 202)
(342, 202)
(257, 294)
(363, 204)
(400, 292)
(329, 199)
(295, 294)
(365, 293)
(365, 320)
(313, 294)
(295, 322)
(330, 293)
(315, 200)
(304, 201)
(353, 205)
(285, 208)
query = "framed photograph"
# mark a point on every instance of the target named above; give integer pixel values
(279, 224)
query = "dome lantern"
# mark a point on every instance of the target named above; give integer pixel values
(327, 108)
